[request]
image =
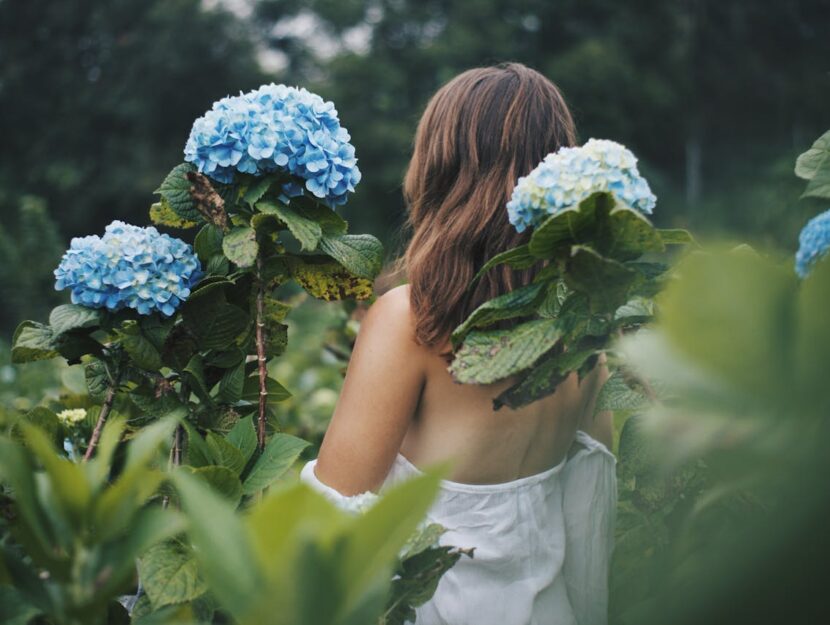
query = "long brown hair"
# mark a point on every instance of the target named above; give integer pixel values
(479, 133)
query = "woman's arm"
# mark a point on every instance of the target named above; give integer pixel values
(380, 393)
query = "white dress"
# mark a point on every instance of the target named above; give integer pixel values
(542, 543)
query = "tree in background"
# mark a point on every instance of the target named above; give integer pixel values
(709, 93)
(96, 99)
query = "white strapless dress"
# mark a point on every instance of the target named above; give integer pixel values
(542, 543)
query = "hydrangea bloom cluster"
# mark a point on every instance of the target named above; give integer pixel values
(566, 177)
(814, 243)
(274, 128)
(129, 267)
(71, 416)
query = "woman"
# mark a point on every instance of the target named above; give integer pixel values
(532, 489)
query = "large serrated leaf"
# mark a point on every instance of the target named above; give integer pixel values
(819, 185)
(216, 325)
(162, 214)
(208, 242)
(224, 453)
(279, 454)
(521, 302)
(488, 356)
(361, 254)
(626, 234)
(605, 281)
(175, 189)
(33, 341)
(517, 258)
(306, 231)
(223, 480)
(616, 394)
(240, 246)
(230, 386)
(276, 391)
(556, 235)
(807, 164)
(68, 317)
(169, 574)
(329, 280)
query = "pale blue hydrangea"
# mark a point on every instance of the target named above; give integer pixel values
(129, 267)
(275, 128)
(814, 243)
(566, 177)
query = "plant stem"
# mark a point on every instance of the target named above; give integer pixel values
(260, 354)
(102, 418)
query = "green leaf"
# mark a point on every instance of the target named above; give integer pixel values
(223, 480)
(276, 391)
(280, 453)
(543, 379)
(616, 394)
(141, 350)
(243, 437)
(14, 608)
(169, 574)
(518, 303)
(208, 242)
(380, 533)
(331, 223)
(728, 310)
(175, 189)
(33, 341)
(606, 282)
(240, 246)
(259, 187)
(97, 378)
(626, 234)
(306, 231)
(360, 254)
(162, 214)
(68, 317)
(216, 325)
(224, 453)
(819, 185)
(676, 236)
(556, 235)
(491, 355)
(517, 258)
(222, 544)
(328, 280)
(230, 386)
(808, 163)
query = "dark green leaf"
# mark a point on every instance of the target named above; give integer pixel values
(230, 386)
(276, 391)
(492, 355)
(169, 574)
(224, 453)
(626, 234)
(176, 191)
(258, 188)
(360, 254)
(223, 480)
(73, 317)
(517, 258)
(676, 236)
(808, 163)
(33, 341)
(208, 242)
(243, 437)
(518, 303)
(556, 235)
(306, 231)
(605, 281)
(280, 453)
(216, 325)
(240, 246)
(819, 185)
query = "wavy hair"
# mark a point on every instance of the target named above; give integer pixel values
(479, 133)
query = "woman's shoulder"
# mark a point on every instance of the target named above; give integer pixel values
(390, 319)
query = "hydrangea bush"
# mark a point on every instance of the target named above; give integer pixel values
(175, 343)
(277, 128)
(566, 177)
(131, 267)
(814, 243)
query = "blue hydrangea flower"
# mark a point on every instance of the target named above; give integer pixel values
(129, 267)
(566, 177)
(274, 128)
(814, 243)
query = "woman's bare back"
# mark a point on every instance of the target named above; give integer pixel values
(419, 411)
